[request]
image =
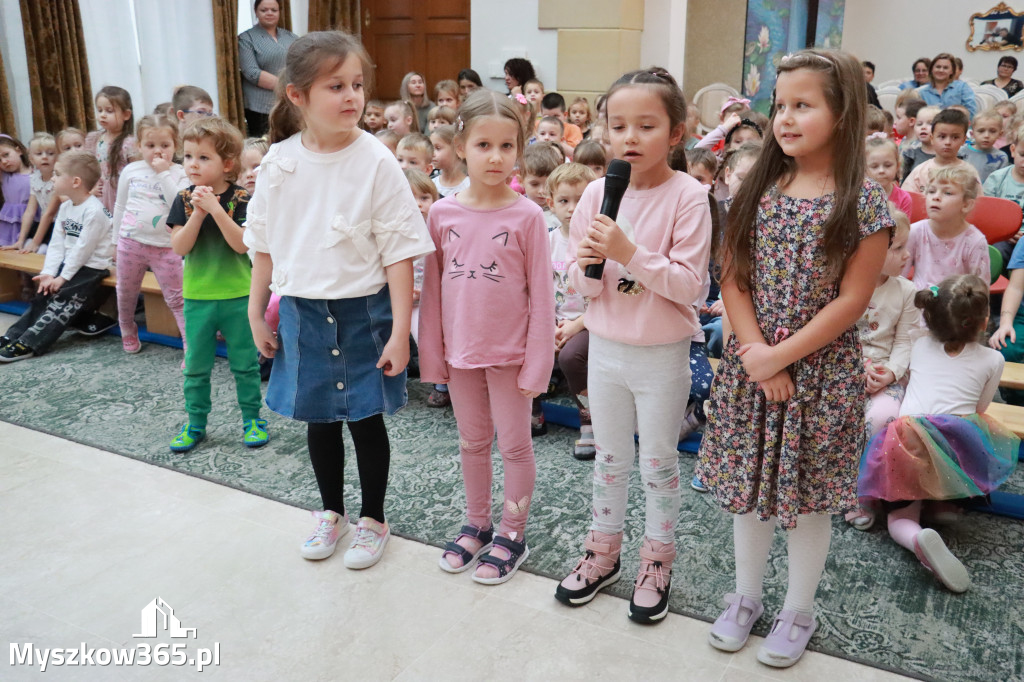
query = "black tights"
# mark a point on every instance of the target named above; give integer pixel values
(373, 457)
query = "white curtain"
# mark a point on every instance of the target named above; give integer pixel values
(12, 42)
(176, 42)
(111, 49)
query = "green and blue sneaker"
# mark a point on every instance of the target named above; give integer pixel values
(256, 435)
(188, 438)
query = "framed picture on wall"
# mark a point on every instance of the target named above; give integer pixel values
(1000, 28)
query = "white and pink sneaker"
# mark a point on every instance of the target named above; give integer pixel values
(331, 526)
(368, 546)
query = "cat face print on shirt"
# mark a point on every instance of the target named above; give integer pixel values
(472, 265)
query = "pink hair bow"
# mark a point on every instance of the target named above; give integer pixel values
(735, 100)
(877, 135)
(520, 98)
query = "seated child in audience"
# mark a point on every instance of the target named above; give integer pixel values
(425, 192)
(1008, 110)
(15, 188)
(38, 216)
(599, 134)
(883, 164)
(114, 146)
(144, 197)
(553, 104)
(591, 154)
(949, 131)
(702, 164)
(692, 126)
(76, 262)
(942, 446)
(446, 94)
(945, 244)
(921, 150)
(908, 104)
(190, 102)
(402, 118)
(539, 161)
(981, 151)
(415, 151)
(581, 116)
(1008, 338)
(70, 139)
(733, 110)
(533, 90)
(253, 151)
(527, 114)
(451, 177)
(206, 222)
(875, 121)
(737, 129)
(890, 121)
(389, 138)
(565, 187)
(440, 116)
(885, 338)
(373, 117)
(1008, 183)
(552, 129)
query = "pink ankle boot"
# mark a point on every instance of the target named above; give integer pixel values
(653, 582)
(598, 568)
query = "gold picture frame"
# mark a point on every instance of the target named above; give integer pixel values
(996, 30)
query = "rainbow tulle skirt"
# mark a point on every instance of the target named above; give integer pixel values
(937, 457)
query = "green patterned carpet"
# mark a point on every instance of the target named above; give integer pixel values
(876, 604)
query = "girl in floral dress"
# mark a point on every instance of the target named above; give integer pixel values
(804, 245)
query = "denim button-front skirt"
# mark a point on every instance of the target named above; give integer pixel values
(325, 368)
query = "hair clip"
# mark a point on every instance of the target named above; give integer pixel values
(734, 100)
(934, 290)
(804, 53)
(877, 135)
(520, 98)
(459, 125)
(750, 124)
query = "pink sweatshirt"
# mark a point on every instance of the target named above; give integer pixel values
(488, 298)
(672, 231)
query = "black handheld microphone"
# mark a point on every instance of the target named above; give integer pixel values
(616, 180)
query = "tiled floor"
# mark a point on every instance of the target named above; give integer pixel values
(88, 538)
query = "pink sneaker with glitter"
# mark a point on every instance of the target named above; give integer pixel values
(368, 547)
(331, 526)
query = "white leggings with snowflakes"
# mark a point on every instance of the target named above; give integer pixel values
(642, 387)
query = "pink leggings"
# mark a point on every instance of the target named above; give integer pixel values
(132, 260)
(485, 399)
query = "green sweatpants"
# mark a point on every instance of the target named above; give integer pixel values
(203, 319)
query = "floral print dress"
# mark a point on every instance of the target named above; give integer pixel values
(799, 456)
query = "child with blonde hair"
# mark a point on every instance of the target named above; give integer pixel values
(452, 177)
(440, 116)
(591, 154)
(920, 150)
(533, 90)
(143, 239)
(944, 243)
(491, 252)
(883, 165)
(981, 150)
(947, 136)
(41, 207)
(581, 115)
(402, 118)
(253, 151)
(70, 139)
(1008, 183)
(415, 151)
(389, 138)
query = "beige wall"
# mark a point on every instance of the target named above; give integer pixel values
(714, 44)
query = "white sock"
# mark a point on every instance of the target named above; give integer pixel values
(752, 541)
(808, 545)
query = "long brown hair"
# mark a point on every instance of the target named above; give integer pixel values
(843, 78)
(307, 58)
(120, 98)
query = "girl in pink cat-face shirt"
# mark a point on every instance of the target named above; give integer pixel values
(487, 328)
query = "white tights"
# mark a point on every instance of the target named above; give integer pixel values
(808, 546)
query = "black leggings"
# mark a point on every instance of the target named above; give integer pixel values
(373, 457)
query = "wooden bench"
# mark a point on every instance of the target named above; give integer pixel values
(159, 319)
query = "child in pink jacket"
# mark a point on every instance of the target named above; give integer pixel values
(487, 329)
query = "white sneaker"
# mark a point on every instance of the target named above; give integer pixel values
(368, 546)
(329, 530)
